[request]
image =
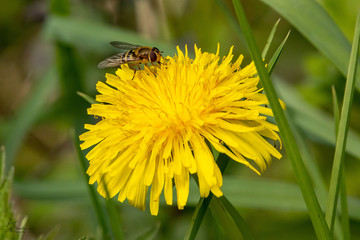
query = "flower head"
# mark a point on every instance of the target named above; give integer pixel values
(156, 123)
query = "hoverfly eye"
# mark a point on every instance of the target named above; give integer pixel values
(153, 56)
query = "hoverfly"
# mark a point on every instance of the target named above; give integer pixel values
(134, 55)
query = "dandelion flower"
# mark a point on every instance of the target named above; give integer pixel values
(155, 125)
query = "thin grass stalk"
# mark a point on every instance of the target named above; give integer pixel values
(86, 97)
(238, 220)
(22, 228)
(276, 55)
(198, 217)
(269, 40)
(343, 130)
(223, 161)
(315, 212)
(343, 195)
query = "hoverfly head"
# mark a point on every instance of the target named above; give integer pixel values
(155, 55)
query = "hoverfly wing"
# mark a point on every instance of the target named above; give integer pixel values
(124, 45)
(113, 61)
(107, 64)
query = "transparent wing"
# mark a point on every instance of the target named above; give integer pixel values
(117, 60)
(124, 45)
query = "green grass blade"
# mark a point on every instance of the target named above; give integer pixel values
(86, 97)
(324, 35)
(203, 204)
(269, 40)
(223, 161)
(343, 193)
(22, 227)
(343, 130)
(222, 222)
(276, 55)
(197, 217)
(239, 221)
(292, 150)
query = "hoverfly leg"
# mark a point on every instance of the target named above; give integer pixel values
(131, 66)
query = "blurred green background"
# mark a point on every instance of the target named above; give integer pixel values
(49, 51)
